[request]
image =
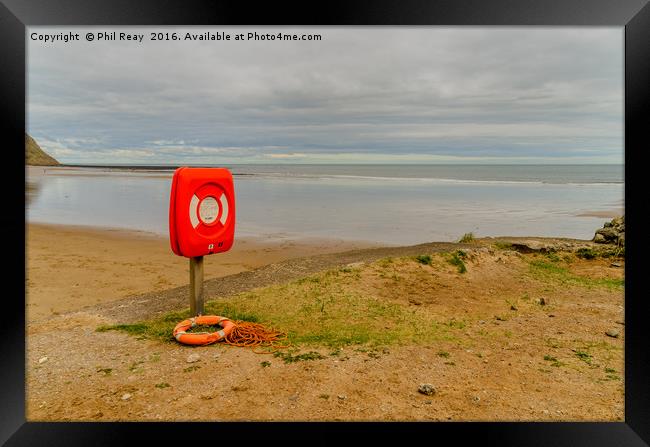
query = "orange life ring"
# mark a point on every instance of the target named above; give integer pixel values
(202, 338)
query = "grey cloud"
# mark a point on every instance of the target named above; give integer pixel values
(450, 93)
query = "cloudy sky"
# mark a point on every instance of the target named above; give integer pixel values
(360, 95)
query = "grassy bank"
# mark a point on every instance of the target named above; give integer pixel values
(408, 300)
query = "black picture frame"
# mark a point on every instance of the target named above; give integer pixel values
(15, 15)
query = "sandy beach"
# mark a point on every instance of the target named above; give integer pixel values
(70, 267)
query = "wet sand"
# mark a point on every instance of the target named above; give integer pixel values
(604, 214)
(72, 267)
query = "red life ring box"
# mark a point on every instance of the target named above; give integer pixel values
(201, 211)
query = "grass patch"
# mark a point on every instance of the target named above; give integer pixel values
(161, 328)
(287, 357)
(106, 371)
(192, 368)
(162, 385)
(586, 253)
(467, 237)
(385, 262)
(554, 361)
(265, 364)
(503, 245)
(604, 252)
(455, 324)
(584, 356)
(328, 309)
(423, 259)
(548, 271)
(551, 256)
(443, 354)
(456, 260)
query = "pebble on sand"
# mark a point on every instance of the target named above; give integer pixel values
(192, 358)
(426, 389)
(42, 360)
(126, 396)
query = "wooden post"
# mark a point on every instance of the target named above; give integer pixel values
(196, 285)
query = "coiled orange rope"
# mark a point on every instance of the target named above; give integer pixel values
(255, 335)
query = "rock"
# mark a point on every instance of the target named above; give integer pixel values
(192, 358)
(42, 360)
(614, 333)
(615, 264)
(342, 396)
(426, 389)
(543, 301)
(126, 396)
(620, 322)
(293, 397)
(513, 307)
(612, 232)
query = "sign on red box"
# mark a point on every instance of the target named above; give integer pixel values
(201, 211)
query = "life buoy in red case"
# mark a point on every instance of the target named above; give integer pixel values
(201, 211)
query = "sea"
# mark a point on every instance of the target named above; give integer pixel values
(385, 204)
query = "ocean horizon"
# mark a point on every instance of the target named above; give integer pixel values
(387, 204)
